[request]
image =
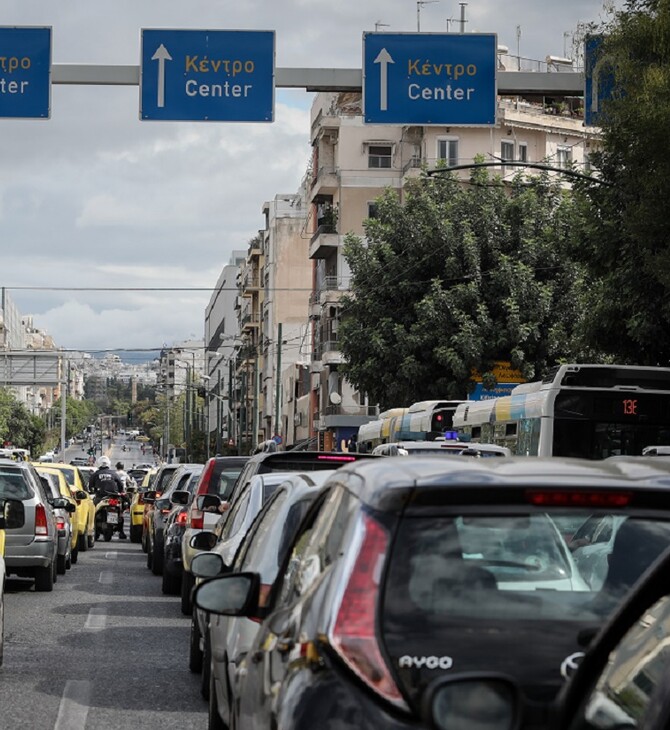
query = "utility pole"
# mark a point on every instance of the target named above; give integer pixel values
(419, 5)
(63, 407)
(278, 386)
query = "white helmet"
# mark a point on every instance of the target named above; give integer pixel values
(103, 461)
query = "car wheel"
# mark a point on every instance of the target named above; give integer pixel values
(171, 583)
(90, 540)
(145, 544)
(194, 652)
(44, 579)
(68, 562)
(54, 568)
(135, 533)
(187, 583)
(83, 543)
(74, 555)
(206, 668)
(61, 564)
(214, 721)
(157, 559)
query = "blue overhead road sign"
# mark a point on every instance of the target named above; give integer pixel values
(25, 72)
(598, 79)
(207, 75)
(430, 78)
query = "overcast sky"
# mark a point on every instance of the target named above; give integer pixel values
(95, 197)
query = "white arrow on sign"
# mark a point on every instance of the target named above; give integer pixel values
(383, 59)
(161, 56)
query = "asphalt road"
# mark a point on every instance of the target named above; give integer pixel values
(106, 649)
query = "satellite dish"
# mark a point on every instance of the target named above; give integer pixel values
(335, 398)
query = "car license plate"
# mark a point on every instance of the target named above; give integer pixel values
(112, 518)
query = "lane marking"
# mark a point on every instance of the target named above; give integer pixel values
(106, 577)
(96, 619)
(74, 705)
(111, 555)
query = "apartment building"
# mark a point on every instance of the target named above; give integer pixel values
(352, 163)
(221, 338)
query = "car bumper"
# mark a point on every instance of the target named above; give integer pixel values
(35, 555)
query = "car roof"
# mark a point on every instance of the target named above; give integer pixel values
(376, 481)
(311, 478)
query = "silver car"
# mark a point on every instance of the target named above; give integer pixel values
(11, 516)
(31, 551)
(63, 521)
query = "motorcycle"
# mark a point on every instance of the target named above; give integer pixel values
(108, 514)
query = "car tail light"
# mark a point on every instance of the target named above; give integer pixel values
(354, 635)
(41, 524)
(60, 523)
(335, 458)
(113, 502)
(181, 518)
(196, 519)
(577, 498)
(165, 510)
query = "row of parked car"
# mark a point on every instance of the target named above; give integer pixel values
(345, 590)
(47, 518)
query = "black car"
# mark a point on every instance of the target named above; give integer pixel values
(162, 506)
(424, 591)
(175, 526)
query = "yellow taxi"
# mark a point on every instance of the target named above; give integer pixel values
(85, 514)
(66, 492)
(137, 507)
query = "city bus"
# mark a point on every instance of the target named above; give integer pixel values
(586, 411)
(422, 421)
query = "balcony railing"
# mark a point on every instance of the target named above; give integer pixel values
(353, 410)
(324, 228)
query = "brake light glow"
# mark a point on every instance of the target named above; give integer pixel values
(196, 519)
(60, 523)
(181, 518)
(113, 502)
(354, 635)
(578, 498)
(336, 458)
(41, 524)
(165, 510)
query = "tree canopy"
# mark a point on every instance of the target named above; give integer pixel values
(456, 277)
(625, 230)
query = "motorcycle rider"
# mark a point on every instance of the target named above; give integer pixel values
(105, 482)
(127, 480)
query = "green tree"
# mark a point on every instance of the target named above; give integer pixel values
(18, 426)
(456, 277)
(626, 233)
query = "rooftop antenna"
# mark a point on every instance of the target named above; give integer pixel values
(379, 25)
(419, 5)
(449, 22)
(463, 20)
(518, 48)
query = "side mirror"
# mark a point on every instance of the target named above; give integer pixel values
(180, 496)
(62, 503)
(203, 540)
(150, 496)
(207, 565)
(81, 494)
(131, 490)
(208, 503)
(235, 594)
(12, 514)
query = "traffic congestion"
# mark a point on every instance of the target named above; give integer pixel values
(427, 587)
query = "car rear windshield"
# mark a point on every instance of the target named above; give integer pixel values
(13, 485)
(307, 462)
(522, 567)
(223, 479)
